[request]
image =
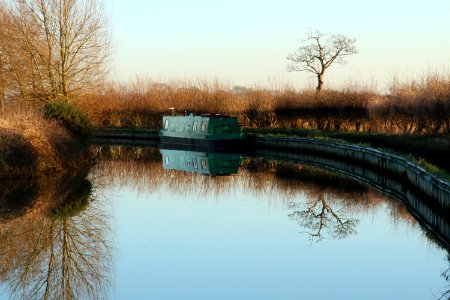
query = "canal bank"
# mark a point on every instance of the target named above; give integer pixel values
(39, 148)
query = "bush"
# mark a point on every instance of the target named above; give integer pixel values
(69, 116)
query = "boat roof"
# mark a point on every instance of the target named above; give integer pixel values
(203, 116)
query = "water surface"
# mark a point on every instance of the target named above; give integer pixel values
(270, 230)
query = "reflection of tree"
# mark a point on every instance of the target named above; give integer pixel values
(320, 218)
(446, 275)
(62, 256)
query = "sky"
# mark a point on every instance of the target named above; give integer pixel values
(246, 42)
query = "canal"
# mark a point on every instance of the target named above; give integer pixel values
(149, 223)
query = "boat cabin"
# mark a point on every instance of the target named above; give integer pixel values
(204, 130)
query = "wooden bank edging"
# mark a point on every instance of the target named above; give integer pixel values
(125, 133)
(426, 182)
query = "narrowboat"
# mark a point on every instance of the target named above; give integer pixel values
(200, 162)
(207, 132)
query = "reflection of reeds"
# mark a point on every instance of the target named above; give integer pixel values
(292, 180)
(413, 107)
(257, 176)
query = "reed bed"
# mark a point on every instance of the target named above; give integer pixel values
(419, 107)
(32, 146)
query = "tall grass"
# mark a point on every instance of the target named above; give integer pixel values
(421, 107)
(31, 146)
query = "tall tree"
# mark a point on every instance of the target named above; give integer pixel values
(318, 56)
(61, 47)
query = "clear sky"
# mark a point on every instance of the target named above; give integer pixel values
(246, 42)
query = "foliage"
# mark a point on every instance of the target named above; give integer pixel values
(69, 116)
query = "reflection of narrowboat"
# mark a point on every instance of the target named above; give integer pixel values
(206, 131)
(201, 162)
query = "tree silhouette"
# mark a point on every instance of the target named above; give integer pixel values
(318, 56)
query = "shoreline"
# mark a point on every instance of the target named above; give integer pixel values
(40, 148)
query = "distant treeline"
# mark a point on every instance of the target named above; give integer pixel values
(414, 107)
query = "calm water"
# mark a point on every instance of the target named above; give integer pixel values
(137, 228)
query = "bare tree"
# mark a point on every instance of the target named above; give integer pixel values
(318, 56)
(62, 47)
(4, 22)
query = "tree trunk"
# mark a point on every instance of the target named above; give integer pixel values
(2, 92)
(319, 82)
(2, 84)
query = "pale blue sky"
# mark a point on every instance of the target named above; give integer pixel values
(246, 42)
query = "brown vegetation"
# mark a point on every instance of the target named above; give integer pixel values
(31, 146)
(413, 107)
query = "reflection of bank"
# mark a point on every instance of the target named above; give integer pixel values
(201, 162)
(57, 246)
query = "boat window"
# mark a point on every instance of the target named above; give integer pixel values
(166, 124)
(194, 127)
(203, 164)
(166, 160)
(203, 126)
(194, 162)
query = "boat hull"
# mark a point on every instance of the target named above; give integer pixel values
(237, 144)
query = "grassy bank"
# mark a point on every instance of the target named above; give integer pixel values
(416, 107)
(31, 146)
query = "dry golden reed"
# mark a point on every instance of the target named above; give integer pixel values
(411, 107)
(31, 146)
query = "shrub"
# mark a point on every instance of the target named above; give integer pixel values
(69, 116)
